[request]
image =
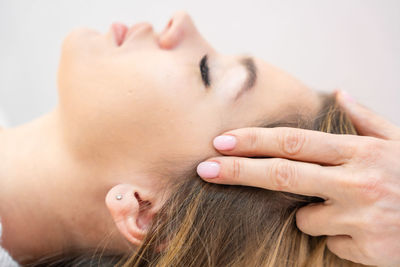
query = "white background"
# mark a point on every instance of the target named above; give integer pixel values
(348, 44)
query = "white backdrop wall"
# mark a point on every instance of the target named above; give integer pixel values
(348, 44)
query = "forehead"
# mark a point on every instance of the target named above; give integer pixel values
(278, 94)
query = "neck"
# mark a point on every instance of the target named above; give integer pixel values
(47, 197)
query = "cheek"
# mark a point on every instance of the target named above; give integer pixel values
(90, 78)
(79, 68)
(180, 133)
(145, 100)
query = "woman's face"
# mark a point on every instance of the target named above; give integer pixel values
(161, 97)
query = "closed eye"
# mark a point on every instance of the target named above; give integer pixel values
(204, 71)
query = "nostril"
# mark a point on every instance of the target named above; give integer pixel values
(173, 33)
(170, 23)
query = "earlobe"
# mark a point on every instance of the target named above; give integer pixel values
(131, 212)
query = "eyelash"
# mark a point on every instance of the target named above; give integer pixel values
(204, 70)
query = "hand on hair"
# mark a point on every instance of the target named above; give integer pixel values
(357, 176)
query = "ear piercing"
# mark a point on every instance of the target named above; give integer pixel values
(118, 197)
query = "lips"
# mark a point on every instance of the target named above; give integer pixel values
(119, 31)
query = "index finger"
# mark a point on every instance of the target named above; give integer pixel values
(273, 174)
(290, 143)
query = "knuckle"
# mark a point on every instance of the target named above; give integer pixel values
(254, 139)
(291, 141)
(236, 170)
(369, 188)
(283, 173)
(370, 151)
(347, 151)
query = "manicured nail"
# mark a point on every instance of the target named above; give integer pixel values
(208, 169)
(225, 142)
(347, 97)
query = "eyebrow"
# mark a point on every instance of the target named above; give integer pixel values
(251, 68)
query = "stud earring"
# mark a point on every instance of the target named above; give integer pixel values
(118, 197)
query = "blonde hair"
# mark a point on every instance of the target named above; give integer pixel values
(205, 224)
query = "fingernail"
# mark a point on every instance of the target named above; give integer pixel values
(225, 142)
(347, 97)
(208, 169)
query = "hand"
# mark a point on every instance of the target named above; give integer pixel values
(360, 180)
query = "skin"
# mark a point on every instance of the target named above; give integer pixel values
(150, 93)
(361, 185)
(128, 118)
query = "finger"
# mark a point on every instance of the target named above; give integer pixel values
(366, 122)
(291, 143)
(273, 174)
(320, 219)
(344, 247)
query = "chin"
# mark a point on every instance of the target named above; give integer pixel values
(81, 39)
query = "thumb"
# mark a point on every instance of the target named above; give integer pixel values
(366, 122)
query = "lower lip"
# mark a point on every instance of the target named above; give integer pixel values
(119, 31)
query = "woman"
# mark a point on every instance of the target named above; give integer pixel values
(125, 98)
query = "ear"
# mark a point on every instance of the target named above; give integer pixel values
(131, 210)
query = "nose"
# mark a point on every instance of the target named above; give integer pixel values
(179, 28)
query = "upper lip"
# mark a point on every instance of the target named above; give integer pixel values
(133, 29)
(128, 32)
